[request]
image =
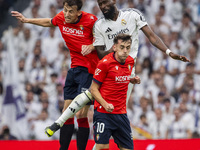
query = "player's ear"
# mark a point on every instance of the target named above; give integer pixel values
(79, 12)
(114, 48)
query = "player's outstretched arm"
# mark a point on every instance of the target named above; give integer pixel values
(158, 43)
(45, 22)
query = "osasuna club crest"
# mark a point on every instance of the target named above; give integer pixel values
(81, 27)
(129, 66)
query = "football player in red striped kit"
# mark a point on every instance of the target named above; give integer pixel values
(109, 88)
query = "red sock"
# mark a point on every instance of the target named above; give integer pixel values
(69, 121)
(83, 122)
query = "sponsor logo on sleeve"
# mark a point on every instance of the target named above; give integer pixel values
(142, 18)
(97, 71)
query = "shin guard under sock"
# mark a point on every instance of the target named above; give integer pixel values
(79, 102)
(66, 133)
(82, 133)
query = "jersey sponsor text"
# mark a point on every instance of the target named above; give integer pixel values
(122, 78)
(73, 31)
(112, 36)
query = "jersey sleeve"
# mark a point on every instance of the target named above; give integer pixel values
(140, 19)
(98, 36)
(54, 21)
(100, 72)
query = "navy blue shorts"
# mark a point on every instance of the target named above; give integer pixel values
(116, 125)
(77, 81)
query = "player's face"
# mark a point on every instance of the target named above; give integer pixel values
(107, 7)
(71, 13)
(122, 49)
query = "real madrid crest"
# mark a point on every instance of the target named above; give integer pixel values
(81, 27)
(123, 22)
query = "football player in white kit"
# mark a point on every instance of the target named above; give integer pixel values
(128, 21)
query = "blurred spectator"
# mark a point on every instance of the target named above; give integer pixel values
(167, 111)
(188, 28)
(176, 11)
(50, 45)
(178, 129)
(158, 127)
(187, 118)
(122, 4)
(142, 130)
(27, 43)
(39, 126)
(5, 134)
(41, 74)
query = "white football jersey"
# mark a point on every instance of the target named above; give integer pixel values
(129, 21)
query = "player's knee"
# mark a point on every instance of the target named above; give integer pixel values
(83, 112)
(66, 104)
(102, 146)
(89, 95)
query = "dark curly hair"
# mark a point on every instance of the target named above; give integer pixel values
(78, 3)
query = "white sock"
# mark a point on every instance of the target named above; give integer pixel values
(79, 102)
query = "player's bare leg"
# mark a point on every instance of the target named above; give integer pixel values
(122, 148)
(102, 146)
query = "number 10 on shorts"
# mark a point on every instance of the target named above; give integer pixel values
(100, 127)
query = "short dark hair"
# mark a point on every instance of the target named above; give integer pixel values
(123, 37)
(78, 3)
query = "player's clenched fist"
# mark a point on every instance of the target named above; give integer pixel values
(19, 16)
(135, 80)
(109, 107)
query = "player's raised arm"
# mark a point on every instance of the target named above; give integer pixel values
(45, 22)
(157, 42)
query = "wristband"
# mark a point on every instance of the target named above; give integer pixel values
(168, 51)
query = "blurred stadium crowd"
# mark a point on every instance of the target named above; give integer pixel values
(165, 105)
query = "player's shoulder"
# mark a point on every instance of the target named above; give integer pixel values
(60, 15)
(89, 16)
(107, 59)
(131, 10)
(100, 20)
(130, 59)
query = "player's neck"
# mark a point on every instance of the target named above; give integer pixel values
(122, 62)
(116, 15)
